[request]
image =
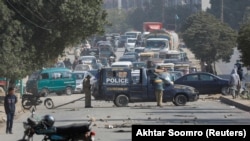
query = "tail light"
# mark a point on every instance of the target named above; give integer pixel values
(92, 136)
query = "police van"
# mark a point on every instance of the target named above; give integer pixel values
(123, 85)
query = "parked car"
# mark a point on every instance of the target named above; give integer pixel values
(205, 83)
(176, 74)
(80, 76)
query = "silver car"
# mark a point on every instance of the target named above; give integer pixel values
(80, 76)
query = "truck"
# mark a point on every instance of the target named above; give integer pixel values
(148, 26)
(171, 36)
(123, 86)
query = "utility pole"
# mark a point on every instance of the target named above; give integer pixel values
(222, 11)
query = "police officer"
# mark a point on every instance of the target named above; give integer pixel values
(158, 83)
(87, 90)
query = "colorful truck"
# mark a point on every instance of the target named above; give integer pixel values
(149, 26)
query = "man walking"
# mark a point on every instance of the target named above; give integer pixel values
(234, 83)
(10, 101)
(87, 90)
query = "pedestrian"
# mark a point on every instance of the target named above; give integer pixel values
(67, 63)
(234, 83)
(76, 62)
(77, 52)
(158, 86)
(87, 90)
(238, 66)
(10, 101)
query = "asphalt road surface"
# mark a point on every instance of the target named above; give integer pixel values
(114, 123)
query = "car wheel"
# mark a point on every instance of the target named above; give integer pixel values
(44, 92)
(121, 101)
(48, 103)
(180, 100)
(225, 91)
(68, 91)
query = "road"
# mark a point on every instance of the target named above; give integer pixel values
(205, 111)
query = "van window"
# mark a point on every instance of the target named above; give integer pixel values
(56, 75)
(66, 75)
(44, 76)
(122, 74)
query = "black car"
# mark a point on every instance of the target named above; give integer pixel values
(205, 83)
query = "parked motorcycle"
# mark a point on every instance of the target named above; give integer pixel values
(45, 126)
(29, 100)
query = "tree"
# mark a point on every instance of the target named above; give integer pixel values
(35, 32)
(243, 41)
(233, 11)
(209, 39)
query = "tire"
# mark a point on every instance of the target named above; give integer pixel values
(225, 91)
(68, 91)
(180, 100)
(44, 92)
(24, 104)
(48, 103)
(121, 100)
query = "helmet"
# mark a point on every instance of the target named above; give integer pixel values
(48, 120)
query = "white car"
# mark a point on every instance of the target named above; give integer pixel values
(80, 76)
(130, 44)
(83, 67)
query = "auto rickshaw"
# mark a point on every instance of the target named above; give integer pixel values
(145, 56)
(166, 66)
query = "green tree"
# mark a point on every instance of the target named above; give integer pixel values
(233, 11)
(243, 41)
(209, 39)
(35, 32)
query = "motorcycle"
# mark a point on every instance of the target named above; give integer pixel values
(72, 132)
(29, 100)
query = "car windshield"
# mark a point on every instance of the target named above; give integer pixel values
(79, 76)
(155, 44)
(131, 40)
